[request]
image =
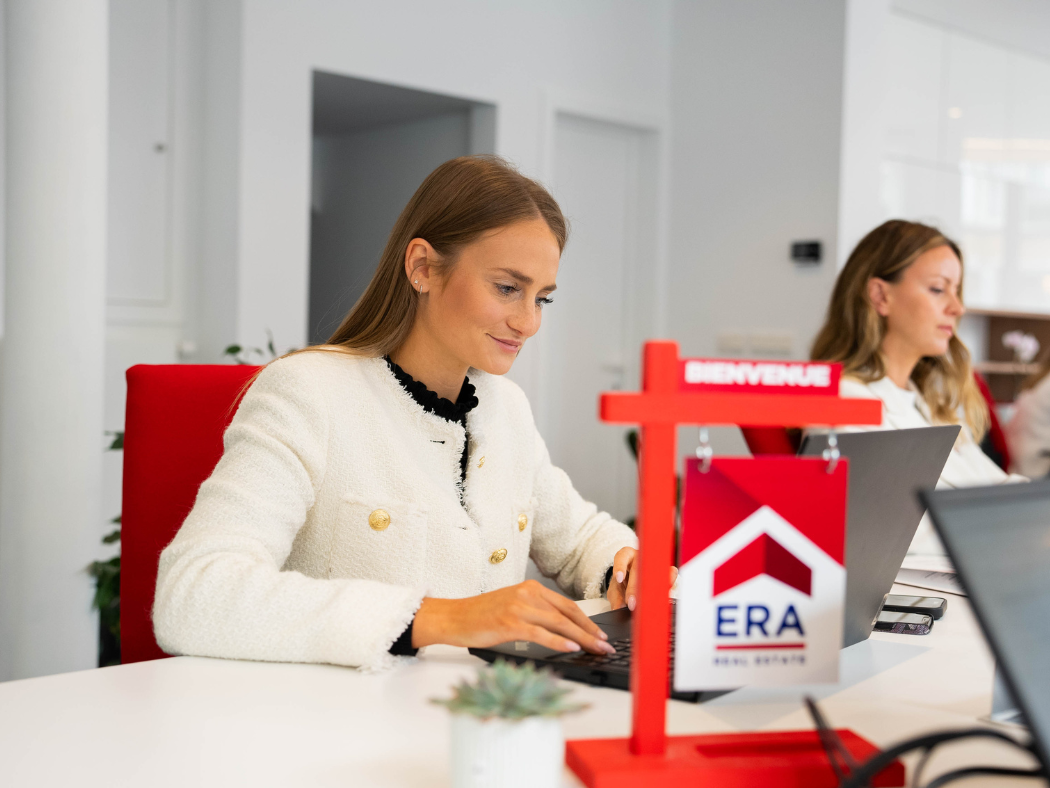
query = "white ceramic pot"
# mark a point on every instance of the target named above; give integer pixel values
(498, 753)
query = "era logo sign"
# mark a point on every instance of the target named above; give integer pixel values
(761, 606)
(726, 623)
(760, 602)
(763, 556)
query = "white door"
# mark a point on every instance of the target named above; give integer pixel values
(603, 305)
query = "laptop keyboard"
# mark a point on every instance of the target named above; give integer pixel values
(621, 659)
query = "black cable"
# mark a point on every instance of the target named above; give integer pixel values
(920, 766)
(976, 771)
(862, 776)
(831, 742)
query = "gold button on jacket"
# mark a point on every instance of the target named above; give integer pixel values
(523, 520)
(498, 555)
(378, 520)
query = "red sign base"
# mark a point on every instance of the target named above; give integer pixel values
(775, 759)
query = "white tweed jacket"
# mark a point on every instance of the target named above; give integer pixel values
(336, 508)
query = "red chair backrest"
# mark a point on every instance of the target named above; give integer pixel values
(995, 428)
(176, 415)
(771, 440)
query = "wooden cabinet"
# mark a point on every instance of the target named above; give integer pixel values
(997, 362)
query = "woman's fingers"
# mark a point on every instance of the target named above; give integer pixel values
(566, 618)
(543, 637)
(623, 590)
(631, 591)
(622, 564)
(572, 611)
(554, 621)
(617, 583)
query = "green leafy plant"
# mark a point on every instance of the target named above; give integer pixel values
(252, 355)
(107, 587)
(510, 692)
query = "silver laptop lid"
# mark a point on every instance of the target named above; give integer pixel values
(886, 470)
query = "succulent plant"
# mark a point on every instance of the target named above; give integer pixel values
(510, 692)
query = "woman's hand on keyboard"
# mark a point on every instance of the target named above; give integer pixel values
(526, 611)
(623, 589)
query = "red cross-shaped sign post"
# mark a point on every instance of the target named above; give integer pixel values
(649, 757)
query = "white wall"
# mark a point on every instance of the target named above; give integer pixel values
(948, 122)
(217, 279)
(51, 366)
(756, 112)
(361, 181)
(756, 108)
(863, 122)
(1021, 25)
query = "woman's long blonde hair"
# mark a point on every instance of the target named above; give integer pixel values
(457, 203)
(853, 330)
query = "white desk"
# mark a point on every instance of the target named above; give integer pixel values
(203, 722)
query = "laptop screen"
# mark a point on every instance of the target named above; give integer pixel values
(886, 469)
(999, 540)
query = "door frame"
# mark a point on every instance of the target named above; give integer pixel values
(653, 124)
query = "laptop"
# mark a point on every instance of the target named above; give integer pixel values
(887, 469)
(998, 538)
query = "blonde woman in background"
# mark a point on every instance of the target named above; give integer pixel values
(891, 324)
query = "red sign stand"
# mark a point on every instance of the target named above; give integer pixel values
(649, 757)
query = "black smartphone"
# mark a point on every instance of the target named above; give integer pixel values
(932, 606)
(903, 623)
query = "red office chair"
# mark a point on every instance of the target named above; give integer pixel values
(772, 440)
(176, 415)
(996, 438)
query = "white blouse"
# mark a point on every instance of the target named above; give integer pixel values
(967, 464)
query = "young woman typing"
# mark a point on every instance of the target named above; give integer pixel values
(384, 491)
(891, 324)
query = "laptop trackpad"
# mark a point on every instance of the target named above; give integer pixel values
(615, 623)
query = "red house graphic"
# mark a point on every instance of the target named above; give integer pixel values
(763, 556)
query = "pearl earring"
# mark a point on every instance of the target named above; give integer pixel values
(420, 287)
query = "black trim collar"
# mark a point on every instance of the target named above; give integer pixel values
(430, 401)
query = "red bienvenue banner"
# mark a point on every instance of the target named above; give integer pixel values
(780, 377)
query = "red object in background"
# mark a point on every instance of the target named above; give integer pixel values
(771, 440)
(176, 415)
(650, 757)
(995, 430)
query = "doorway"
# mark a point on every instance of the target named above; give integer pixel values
(373, 144)
(604, 177)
